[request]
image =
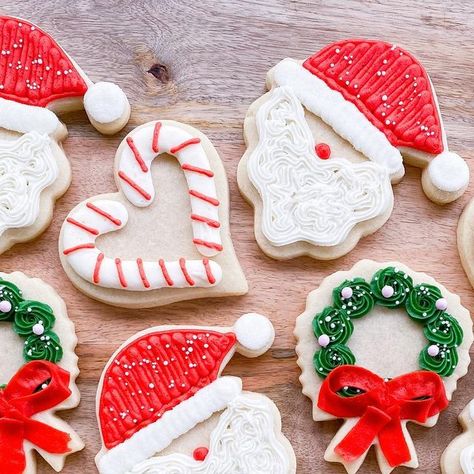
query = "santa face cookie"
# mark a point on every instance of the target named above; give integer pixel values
(328, 140)
(163, 406)
(38, 370)
(465, 240)
(173, 240)
(37, 80)
(380, 346)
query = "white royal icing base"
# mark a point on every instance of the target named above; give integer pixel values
(23, 118)
(343, 116)
(448, 172)
(244, 441)
(105, 102)
(175, 422)
(305, 198)
(27, 167)
(84, 261)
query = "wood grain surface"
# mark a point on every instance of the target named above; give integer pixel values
(209, 60)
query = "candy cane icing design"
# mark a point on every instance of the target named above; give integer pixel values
(142, 146)
(92, 219)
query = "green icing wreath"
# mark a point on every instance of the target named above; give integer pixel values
(33, 321)
(391, 288)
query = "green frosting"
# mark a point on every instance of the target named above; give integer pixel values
(11, 293)
(30, 313)
(331, 357)
(335, 323)
(401, 283)
(421, 302)
(45, 347)
(361, 301)
(444, 330)
(443, 364)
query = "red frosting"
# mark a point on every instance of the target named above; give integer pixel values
(199, 454)
(380, 407)
(153, 374)
(388, 85)
(34, 69)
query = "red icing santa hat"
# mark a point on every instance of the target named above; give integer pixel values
(36, 75)
(166, 380)
(379, 98)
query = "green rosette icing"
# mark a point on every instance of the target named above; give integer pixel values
(444, 330)
(44, 347)
(421, 302)
(401, 283)
(11, 293)
(443, 364)
(360, 303)
(328, 358)
(334, 323)
(30, 313)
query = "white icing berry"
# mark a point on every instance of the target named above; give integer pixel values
(433, 350)
(323, 340)
(448, 172)
(5, 306)
(346, 292)
(38, 329)
(105, 102)
(441, 304)
(254, 332)
(387, 291)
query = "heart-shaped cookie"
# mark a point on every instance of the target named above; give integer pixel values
(173, 241)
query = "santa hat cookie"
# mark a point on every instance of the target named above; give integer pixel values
(163, 382)
(379, 97)
(38, 78)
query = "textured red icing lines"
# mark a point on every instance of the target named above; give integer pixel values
(34, 69)
(195, 169)
(206, 220)
(204, 197)
(388, 85)
(165, 273)
(156, 137)
(141, 271)
(136, 154)
(78, 247)
(184, 270)
(98, 264)
(207, 267)
(209, 245)
(102, 213)
(181, 146)
(121, 276)
(82, 226)
(155, 373)
(134, 185)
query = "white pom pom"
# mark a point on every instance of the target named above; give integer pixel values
(255, 334)
(448, 172)
(106, 104)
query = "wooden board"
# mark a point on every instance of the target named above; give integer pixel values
(215, 55)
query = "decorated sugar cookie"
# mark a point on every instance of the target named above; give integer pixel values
(163, 406)
(380, 346)
(458, 457)
(38, 370)
(172, 224)
(465, 240)
(37, 80)
(329, 139)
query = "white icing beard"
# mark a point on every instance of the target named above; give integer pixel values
(27, 167)
(245, 440)
(305, 198)
(467, 460)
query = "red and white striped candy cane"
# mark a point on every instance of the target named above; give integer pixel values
(136, 154)
(89, 220)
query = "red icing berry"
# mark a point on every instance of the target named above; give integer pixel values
(323, 150)
(199, 454)
(388, 85)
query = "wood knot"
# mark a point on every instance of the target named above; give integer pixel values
(160, 71)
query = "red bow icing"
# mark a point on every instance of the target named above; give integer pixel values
(381, 407)
(36, 387)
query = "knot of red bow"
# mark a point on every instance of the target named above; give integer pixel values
(36, 387)
(381, 406)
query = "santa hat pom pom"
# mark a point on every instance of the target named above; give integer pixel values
(448, 172)
(255, 334)
(107, 107)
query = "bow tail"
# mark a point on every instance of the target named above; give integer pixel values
(12, 455)
(393, 443)
(46, 437)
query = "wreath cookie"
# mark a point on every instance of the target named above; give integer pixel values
(163, 406)
(329, 139)
(38, 373)
(172, 222)
(38, 80)
(379, 346)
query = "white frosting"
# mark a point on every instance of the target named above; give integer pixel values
(25, 118)
(343, 116)
(27, 167)
(193, 155)
(305, 198)
(84, 260)
(254, 332)
(467, 459)
(105, 102)
(448, 172)
(246, 440)
(175, 422)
